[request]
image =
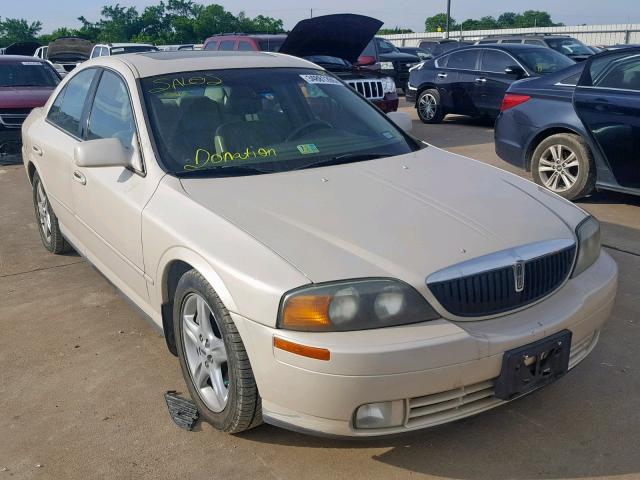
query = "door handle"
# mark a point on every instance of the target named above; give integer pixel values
(442, 75)
(79, 177)
(37, 150)
(481, 80)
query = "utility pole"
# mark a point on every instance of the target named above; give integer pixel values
(311, 12)
(448, 18)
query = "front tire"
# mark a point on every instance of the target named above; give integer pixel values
(563, 164)
(429, 106)
(213, 359)
(48, 226)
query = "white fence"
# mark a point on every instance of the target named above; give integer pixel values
(589, 34)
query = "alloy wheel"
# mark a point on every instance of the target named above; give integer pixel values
(559, 168)
(44, 214)
(205, 353)
(428, 106)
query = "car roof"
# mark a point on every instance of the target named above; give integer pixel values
(125, 45)
(255, 36)
(502, 46)
(523, 35)
(148, 64)
(19, 58)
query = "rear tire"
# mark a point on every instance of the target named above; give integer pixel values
(214, 361)
(563, 164)
(48, 226)
(429, 106)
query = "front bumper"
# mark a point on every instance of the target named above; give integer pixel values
(387, 104)
(440, 370)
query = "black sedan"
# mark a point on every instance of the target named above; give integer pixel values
(473, 80)
(578, 129)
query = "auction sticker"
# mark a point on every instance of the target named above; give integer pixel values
(320, 79)
(308, 148)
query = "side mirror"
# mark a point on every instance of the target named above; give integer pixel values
(105, 152)
(366, 60)
(515, 70)
(402, 120)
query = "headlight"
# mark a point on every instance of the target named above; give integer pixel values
(353, 305)
(388, 85)
(588, 233)
(386, 65)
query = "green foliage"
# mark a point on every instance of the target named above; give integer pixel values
(167, 22)
(395, 30)
(526, 19)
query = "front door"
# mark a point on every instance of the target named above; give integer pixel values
(109, 200)
(607, 100)
(492, 82)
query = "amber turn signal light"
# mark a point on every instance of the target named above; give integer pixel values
(303, 350)
(307, 312)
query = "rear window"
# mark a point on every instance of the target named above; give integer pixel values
(620, 71)
(132, 49)
(28, 74)
(271, 45)
(569, 46)
(543, 60)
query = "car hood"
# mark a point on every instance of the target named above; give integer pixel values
(22, 48)
(24, 97)
(341, 35)
(69, 50)
(402, 217)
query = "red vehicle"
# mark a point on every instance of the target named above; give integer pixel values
(332, 41)
(25, 83)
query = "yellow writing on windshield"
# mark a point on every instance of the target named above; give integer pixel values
(205, 158)
(164, 84)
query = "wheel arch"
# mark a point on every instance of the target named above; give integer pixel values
(31, 171)
(425, 86)
(540, 136)
(173, 264)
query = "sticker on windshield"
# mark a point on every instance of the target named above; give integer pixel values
(388, 135)
(320, 79)
(32, 63)
(308, 148)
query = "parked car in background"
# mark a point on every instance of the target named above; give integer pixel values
(578, 129)
(106, 49)
(383, 55)
(311, 264)
(569, 46)
(332, 41)
(473, 80)
(619, 46)
(440, 46)
(173, 48)
(22, 48)
(25, 83)
(67, 52)
(42, 53)
(418, 52)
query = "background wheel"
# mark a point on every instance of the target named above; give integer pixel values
(563, 164)
(429, 106)
(50, 233)
(213, 359)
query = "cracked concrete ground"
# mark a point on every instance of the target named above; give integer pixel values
(82, 378)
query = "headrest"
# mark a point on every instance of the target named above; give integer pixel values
(244, 101)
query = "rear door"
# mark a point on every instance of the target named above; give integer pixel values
(493, 82)
(607, 100)
(462, 80)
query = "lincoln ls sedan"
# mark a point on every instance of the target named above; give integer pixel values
(300, 251)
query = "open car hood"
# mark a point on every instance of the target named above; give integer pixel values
(342, 35)
(22, 48)
(69, 49)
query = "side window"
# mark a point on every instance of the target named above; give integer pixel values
(111, 115)
(211, 45)
(534, 42)
(245, 46)
(616, 71)
(512, 40)
(67, 107)
(496, 61)
(464, 60)
(226, 45)
(95, 52)
(442, 61)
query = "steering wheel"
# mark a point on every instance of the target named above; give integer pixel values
(306, 126)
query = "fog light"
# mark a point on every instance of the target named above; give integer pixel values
(380, 415)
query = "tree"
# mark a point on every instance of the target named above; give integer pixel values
(438, 23)
(507, 20)
(18, 30)
(394, 31)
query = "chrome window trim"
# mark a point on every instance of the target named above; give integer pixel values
(609, 88)
(482, 49)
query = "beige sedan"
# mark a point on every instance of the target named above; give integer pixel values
(310, 263)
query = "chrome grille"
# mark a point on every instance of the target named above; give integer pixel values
(369, 89)
(495, 291)
(12, 120)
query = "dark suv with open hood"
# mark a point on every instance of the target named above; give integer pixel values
(69, 52)
(332, 41)
(392, 61)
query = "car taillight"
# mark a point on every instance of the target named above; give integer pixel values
(511, 100)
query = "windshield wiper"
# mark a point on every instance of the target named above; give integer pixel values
(230, 171)
(344, 158)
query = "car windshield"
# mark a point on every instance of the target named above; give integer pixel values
(250, 121)
(385, 46)
(133, 49)
(543, 60)
(569, 46)
(271, 45)
(28, 74)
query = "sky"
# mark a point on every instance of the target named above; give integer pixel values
(403, 13)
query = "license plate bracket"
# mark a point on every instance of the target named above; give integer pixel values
(532, 366)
